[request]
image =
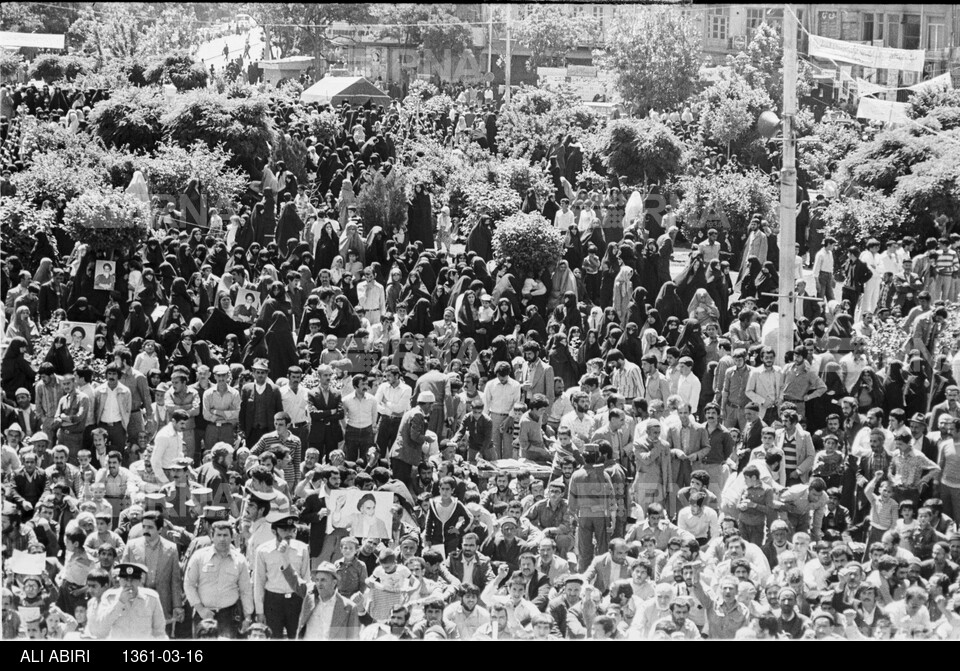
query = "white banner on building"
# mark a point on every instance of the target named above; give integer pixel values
(882, 110)
(910, 60)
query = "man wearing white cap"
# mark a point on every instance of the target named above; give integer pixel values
(131, 611)
(407, 450)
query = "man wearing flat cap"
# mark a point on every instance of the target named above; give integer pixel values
(279, 567)
(217, 581)
(260, 400)
(326, 614)
(128, 612)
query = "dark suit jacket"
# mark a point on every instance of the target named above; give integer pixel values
(312, 505)
(272, 399)
(598, 574)
(168, 581)
(325, 415)
(482, 573)
(345, 623)
(24, 490)
(34, 422)
(50, 301)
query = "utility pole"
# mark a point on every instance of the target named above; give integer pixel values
(788, 188)
(490, 41)
(509, 58)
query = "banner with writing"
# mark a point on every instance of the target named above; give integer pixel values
(869, 56)
(882, 110)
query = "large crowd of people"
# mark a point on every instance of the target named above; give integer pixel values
(608, 450)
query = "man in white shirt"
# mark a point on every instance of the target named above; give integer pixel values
(579, 420)
(371, 297)
(294, 399)
(168, 446)
(823, 269)
(327, 615)
(688, 384)
(499, 397)
(393, 399)
(564, 218)
(360, 419)
(765, 385)
(383, 332)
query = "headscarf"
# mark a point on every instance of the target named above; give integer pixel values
(281, 350)
(137, 324)
(350, 239)
(703, 309)
(138, 188)
(44, 271)
(668, 302)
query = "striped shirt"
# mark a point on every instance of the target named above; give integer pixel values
(292, 443)
(883, 513)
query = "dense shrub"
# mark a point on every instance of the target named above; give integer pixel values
(383, 202)
(180, 69)
(107, 219)
(529, 243)
(242, 124)
(726, 199)
(19, 224)
(129, 118)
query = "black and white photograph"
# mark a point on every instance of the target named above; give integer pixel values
(78, 334)
(105, 276)
(361, 514)
(526, 321)
(247, 306)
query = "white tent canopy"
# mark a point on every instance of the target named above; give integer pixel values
(336, 90)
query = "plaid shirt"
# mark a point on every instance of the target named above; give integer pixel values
(910, 468)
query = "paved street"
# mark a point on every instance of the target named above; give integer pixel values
(211, 53)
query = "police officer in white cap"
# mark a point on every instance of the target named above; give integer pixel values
(407, 452)
(131, 611)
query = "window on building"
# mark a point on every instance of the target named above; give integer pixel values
(872, 26)
(936, 34)
(717, 23)
(893, 31)
(911, 31)
(754, 18)
(598, 15)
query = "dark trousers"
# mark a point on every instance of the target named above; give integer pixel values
(255, 434)
(228, 619)
(402, 471)
(356, 441)
(301, 431)
(325, 436)
(281, 614)
(387, 433)
(116, 436)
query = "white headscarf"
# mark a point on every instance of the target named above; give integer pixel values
(138, 187)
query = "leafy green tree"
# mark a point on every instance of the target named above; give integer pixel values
(761, 65)
(432, 27)
(383, 202)
(138, 31)
(870, 214)
(529, 243)
(726, 199)
(180, 69)
(655, 58)
(730, 110)
(243, 125)
(550, 34)
(303, 27)
(131, 118)
(641, 150)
